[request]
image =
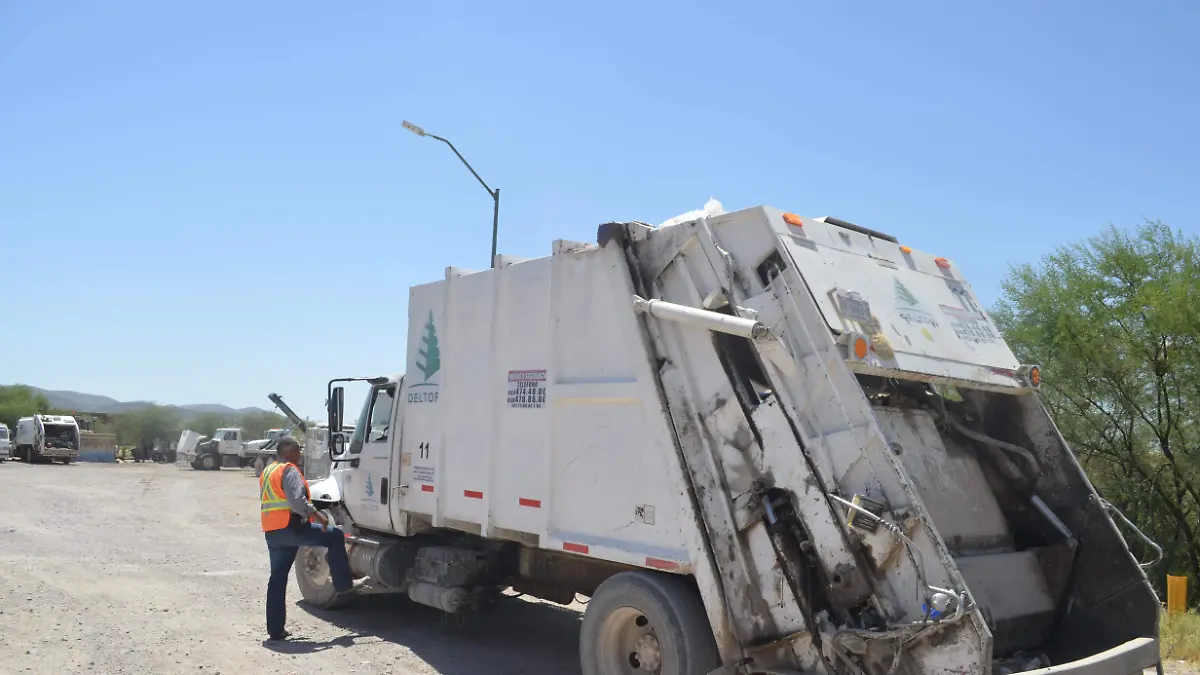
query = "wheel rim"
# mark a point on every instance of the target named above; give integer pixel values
(315, 569)
(629, 644)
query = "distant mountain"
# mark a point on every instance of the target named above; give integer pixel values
(93, 403)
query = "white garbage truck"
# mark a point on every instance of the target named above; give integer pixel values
(47, 438)
(758, 442)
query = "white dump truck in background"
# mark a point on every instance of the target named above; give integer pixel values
(759, 442)
(46, 438)
(5, 443)
(224, 449)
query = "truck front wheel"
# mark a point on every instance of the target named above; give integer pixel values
(209, 463)
(314, 580)
(645, 622)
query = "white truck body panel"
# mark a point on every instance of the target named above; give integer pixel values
(569, 417)
(27, 431)
(541, 404)
(5, 442)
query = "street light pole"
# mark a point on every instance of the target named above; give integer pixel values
(495, 194)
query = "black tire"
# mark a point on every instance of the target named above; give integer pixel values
(209, 463)
(636, 617)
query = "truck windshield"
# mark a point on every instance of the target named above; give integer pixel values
(61, 435)
(3, 434)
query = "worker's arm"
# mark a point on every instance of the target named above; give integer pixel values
(293, 489)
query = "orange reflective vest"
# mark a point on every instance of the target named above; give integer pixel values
(274, 509)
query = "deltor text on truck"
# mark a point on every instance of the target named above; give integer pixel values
(758, 442)
(45, 438)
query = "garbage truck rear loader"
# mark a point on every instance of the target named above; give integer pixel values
(760, 443)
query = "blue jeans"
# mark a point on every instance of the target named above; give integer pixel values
(283, 546)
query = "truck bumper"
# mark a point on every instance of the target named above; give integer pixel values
(1130, 658)
(60, 453)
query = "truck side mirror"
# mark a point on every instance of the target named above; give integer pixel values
(337, 408)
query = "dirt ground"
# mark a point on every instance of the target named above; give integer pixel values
(150, 569)
(146, 569)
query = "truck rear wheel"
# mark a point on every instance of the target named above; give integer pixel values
(645, 622)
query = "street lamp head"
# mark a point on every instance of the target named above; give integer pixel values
(413, 128)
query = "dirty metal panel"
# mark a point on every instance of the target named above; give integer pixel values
(1011, 590)
(922, 318)
(948, 479)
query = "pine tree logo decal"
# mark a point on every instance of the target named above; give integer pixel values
(370, 486)
(909, 309)
(431, 356)
(904, 297)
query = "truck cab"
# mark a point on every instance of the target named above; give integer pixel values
(5, 443)
(224, 449)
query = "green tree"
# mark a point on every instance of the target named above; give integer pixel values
(206, 424)
(255, 424)
(20, 401)
(1115, 324)
(146, 426)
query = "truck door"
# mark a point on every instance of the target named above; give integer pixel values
(367, 488)
(229, 442)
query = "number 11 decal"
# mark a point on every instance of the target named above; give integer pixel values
(424, 450)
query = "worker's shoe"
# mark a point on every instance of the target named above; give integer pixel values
(281, 637)
(355, 585)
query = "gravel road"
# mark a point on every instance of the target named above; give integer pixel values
(150, 569)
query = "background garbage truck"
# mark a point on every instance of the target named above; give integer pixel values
(758, 442)
(47, 438)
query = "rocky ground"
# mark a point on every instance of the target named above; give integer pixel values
(149, 569)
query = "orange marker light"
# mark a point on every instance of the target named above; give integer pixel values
(793, 220)
(1035, 377)
(906, 249)
(860, 348)
(942, 263)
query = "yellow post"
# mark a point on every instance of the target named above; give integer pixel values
(1176, 594)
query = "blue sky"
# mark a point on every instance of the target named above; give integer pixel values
(189, 191)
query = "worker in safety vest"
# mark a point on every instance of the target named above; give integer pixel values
(289, 521)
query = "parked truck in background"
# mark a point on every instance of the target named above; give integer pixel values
(43, 438)
(226, 449)
(759, 442)
(5, 444)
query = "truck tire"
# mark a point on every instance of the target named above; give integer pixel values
(646, 622)
(209, 463)
(314, 580)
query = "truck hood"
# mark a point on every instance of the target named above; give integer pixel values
(326, 490)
